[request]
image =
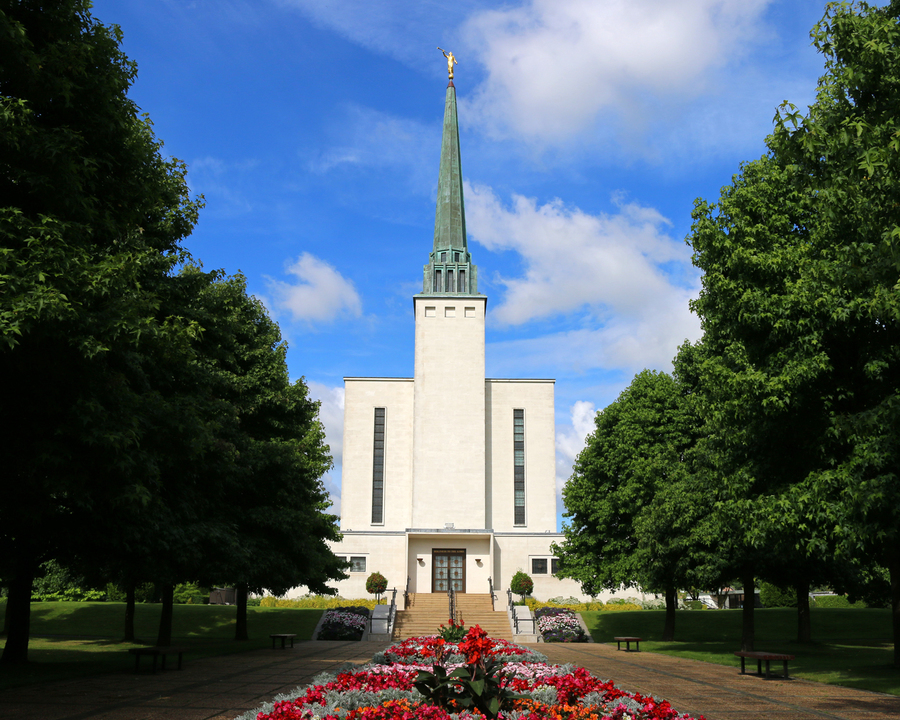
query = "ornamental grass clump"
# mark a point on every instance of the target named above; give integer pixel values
(346, 623)
(559, 625)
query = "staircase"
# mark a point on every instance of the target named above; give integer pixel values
(426, 612)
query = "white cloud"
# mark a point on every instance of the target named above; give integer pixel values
(554, 66)
(617, 266)
(321, 294)
(407, 30)
(331, 414)
(370, 138)
(570, 441)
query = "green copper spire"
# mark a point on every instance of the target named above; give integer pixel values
(450, 268)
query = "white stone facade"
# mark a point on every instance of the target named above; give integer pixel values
(448, 459)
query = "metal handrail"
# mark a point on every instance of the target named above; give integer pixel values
(406, 594)
(392, 615)
(451, 594)
(511, 609)
(491, 589)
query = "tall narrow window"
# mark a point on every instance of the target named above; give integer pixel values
(438, 286)
(378, 470)
(462, 280)
(519, 466)
(449, 280)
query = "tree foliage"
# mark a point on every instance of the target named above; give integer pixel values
(633, 502)
(155, 432)
(801, 314)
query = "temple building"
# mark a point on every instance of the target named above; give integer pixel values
(449, 476)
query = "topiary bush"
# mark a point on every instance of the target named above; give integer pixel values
(521, 584)
(376, 583)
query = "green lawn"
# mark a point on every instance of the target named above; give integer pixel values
(73, 639)
(850, 646)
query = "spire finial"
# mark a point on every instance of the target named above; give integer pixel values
(451, 61)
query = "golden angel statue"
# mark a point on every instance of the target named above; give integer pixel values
(451, 61)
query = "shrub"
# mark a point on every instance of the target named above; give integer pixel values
(521, 584)
(773, 596)
(316, 602)
(834, 601)
(576, 606)
(376, 583)
(190, 594)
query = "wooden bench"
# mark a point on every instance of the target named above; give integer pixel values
(760, 656)
(155, 652)
(628, 640)
(283, 637)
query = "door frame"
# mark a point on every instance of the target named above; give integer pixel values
(448, 551)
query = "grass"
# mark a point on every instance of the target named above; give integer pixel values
(74, 639)
(850, 647)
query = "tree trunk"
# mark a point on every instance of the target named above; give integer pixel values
(894, 569)
(240, 627)
(129, 612)
(18, 615)
(671, 606)
(747, 630)
(804, 624)
(165, 620)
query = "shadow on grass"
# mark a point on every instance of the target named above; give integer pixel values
(850, 647)
(71, 640)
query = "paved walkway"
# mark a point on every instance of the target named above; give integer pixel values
(223, 687)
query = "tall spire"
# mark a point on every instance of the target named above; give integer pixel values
(450, 268)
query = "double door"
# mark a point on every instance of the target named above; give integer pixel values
(448, 569)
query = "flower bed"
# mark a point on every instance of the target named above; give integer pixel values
(559, 625)
(386, 689)
(345, 623)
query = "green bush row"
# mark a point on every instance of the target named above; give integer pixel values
(317, 602)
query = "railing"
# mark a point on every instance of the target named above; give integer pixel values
(511, 609)
(392, 615)
(491, 589)
(406, 595)
(451, 594)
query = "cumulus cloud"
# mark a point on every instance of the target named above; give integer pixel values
(331, 414)
(554, 65)
(570, 441)
(320, 293)
(620, 266)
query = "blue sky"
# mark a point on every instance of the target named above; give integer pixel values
(587, 129)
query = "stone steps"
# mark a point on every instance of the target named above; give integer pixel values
(427, 612)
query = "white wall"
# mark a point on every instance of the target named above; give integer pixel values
(448, 440)
(361, 397)
(535, 397)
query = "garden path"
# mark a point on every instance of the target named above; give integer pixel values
(222, 687)
(720, 692)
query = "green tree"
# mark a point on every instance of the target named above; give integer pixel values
(801, 310)
(632, 501)
(91, 220)
(273, 506)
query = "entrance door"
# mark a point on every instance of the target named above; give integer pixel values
(448, 569)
